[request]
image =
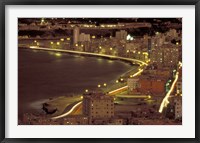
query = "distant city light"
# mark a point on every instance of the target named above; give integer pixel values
(129, 37)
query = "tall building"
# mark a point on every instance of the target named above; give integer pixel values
(76, 32)
(133, 85)
(149, 46)
(171, 56)
(178, 107)
(179, 87)
(167, 55)
(98, 106)
(84, 37)
(121, 35)
(157, 57)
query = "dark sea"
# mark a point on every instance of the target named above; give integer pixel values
(43, 75)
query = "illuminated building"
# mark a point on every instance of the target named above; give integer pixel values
(171, 55)
(152, 85)
(178, 107)
(98, 106)
(167, 55)
(76, 35)
(149, 46)
(133, 85)
(84, 37)
(179, 87)
(121, 35)
(157, 57)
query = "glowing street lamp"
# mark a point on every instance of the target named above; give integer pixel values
(62, 40)
(111, 49)
(86, 90)
(99, 85)
(117, 81)
(51, 43)
(58, 43)
(104, 84)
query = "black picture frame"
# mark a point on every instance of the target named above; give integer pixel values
(98, 2)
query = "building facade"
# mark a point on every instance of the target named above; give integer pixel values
(98, 106)
(76, 32)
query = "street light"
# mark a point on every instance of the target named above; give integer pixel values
(99, 85)
(117, 81)
(111, 49)
(58, 43)
(86, 90)
(104, 84)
